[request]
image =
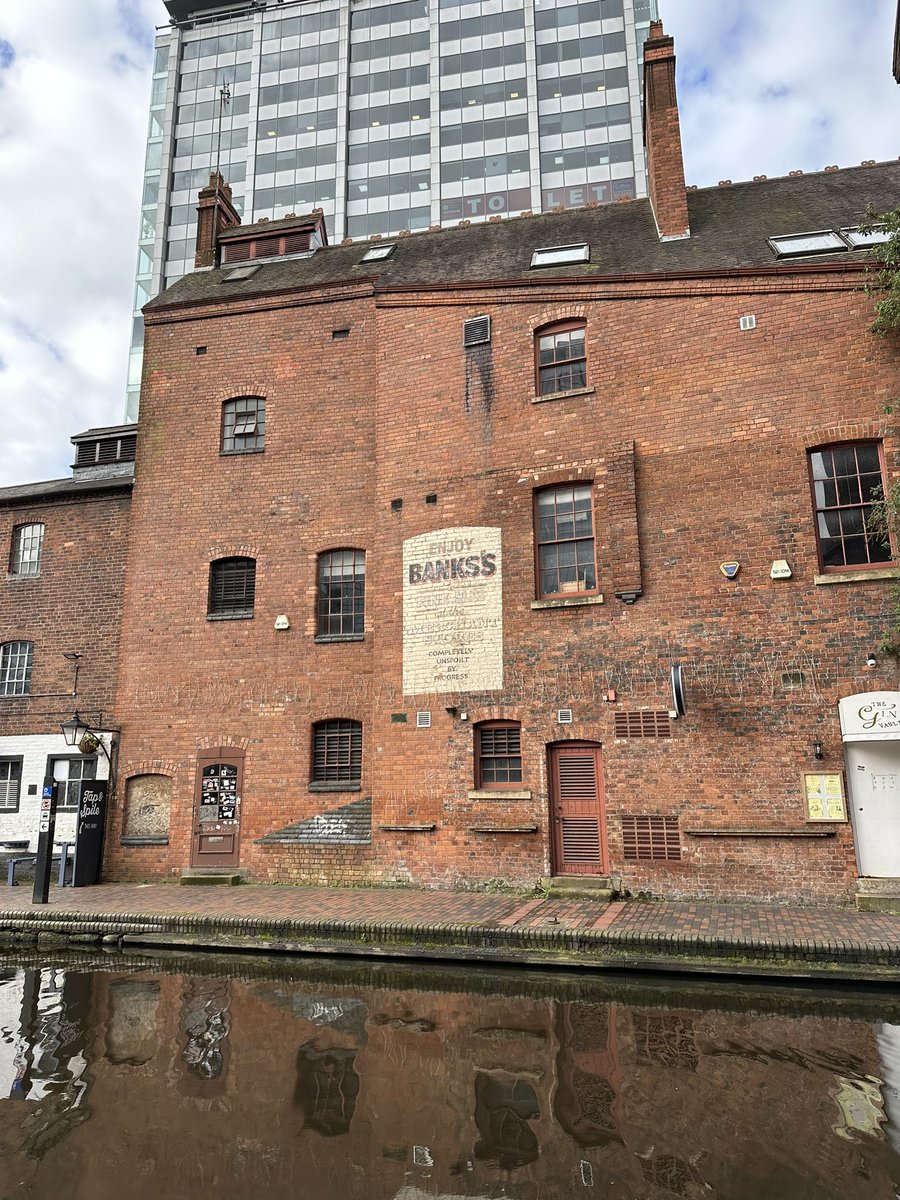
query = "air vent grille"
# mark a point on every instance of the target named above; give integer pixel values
(423, 720)
(643, 724)
(651, 838)
(477, 331)
(564, 716)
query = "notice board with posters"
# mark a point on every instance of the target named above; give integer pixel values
(89, 829)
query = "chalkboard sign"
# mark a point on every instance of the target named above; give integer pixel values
(92, 794)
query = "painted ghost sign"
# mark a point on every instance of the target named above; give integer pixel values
(453, 611)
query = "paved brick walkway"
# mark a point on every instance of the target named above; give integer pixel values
(628, 921)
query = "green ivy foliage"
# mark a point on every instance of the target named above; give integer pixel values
(884, 273)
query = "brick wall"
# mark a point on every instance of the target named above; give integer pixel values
(72, 605)
(694, 437)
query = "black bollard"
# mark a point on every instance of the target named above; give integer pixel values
(46, 831)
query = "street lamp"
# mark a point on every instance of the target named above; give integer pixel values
(88, 739)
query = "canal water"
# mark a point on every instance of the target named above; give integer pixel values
(132, 1076)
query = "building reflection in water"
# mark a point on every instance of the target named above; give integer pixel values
(265, 1084)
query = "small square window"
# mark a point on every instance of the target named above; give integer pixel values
(337, 754)
(498, 755)
(561, 359)
(232, 588)
(243, 425)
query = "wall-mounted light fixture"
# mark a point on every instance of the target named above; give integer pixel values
(88, 739)
(451, 710)
(871, 661)
(817, 749)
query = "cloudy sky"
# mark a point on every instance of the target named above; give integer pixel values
(764, 88)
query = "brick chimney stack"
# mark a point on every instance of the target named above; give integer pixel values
(215, 212)
(662, 137)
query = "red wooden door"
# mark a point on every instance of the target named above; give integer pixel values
(576, 809)
(217, 809)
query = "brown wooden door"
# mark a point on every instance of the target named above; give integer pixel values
(217, 808)
(576, 809)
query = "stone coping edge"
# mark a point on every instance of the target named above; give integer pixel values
(595, 947)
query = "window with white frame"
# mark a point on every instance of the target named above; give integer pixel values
(69, 772)
(10, 784)
(25, 557)
(15, 668)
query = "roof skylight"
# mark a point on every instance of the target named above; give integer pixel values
(822, 241)
(377, 253)
(241, 273)
(874, 238)
(558, 256)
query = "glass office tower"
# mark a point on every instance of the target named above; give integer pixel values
(387, 116)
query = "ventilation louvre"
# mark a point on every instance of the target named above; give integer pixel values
(564, 716)
(643, 724)
(423, 720)
(580, 840)
(654, 838)
(477, 331)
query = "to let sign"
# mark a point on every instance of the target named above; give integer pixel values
(92, 796)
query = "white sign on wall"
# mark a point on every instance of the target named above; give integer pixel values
(453, 611)
(874, 715)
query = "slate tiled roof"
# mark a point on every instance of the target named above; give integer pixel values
(729, 227)
(53, 489)
(349, 825)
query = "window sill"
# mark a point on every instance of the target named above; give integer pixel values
(568, 601)
(423, 828)
(335, 787)
(761, 833)
(322, 639)
(503, 829)
(498, 794)
(21, 576)
(143, 841)
(235, 616)
(235, 453)
(574, 393)
(857, 576)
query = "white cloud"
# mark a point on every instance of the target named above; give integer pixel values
(73, 115)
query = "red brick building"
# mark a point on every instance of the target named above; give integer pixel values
(421, 529)
(60, 607)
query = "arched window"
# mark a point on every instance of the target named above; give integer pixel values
(560, 358)
(498, 754)
(243, 424)
(564, 540)
(337, 755)
(15, 668)
(342, 594)
(27, 542)
(232, 588)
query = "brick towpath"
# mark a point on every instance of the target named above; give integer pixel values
(407, 922)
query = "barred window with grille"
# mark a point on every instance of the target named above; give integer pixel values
(342, 594)
(498, 754)
(10, 784)
(232, 588)
(15, 668)
(337, 754)
(243, 425)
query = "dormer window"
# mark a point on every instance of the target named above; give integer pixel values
(267, 245)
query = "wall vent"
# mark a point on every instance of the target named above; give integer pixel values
(748, 322)
(423, 720)
(476, 331)
(643, 724)
(651, 838)
(564, 716)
